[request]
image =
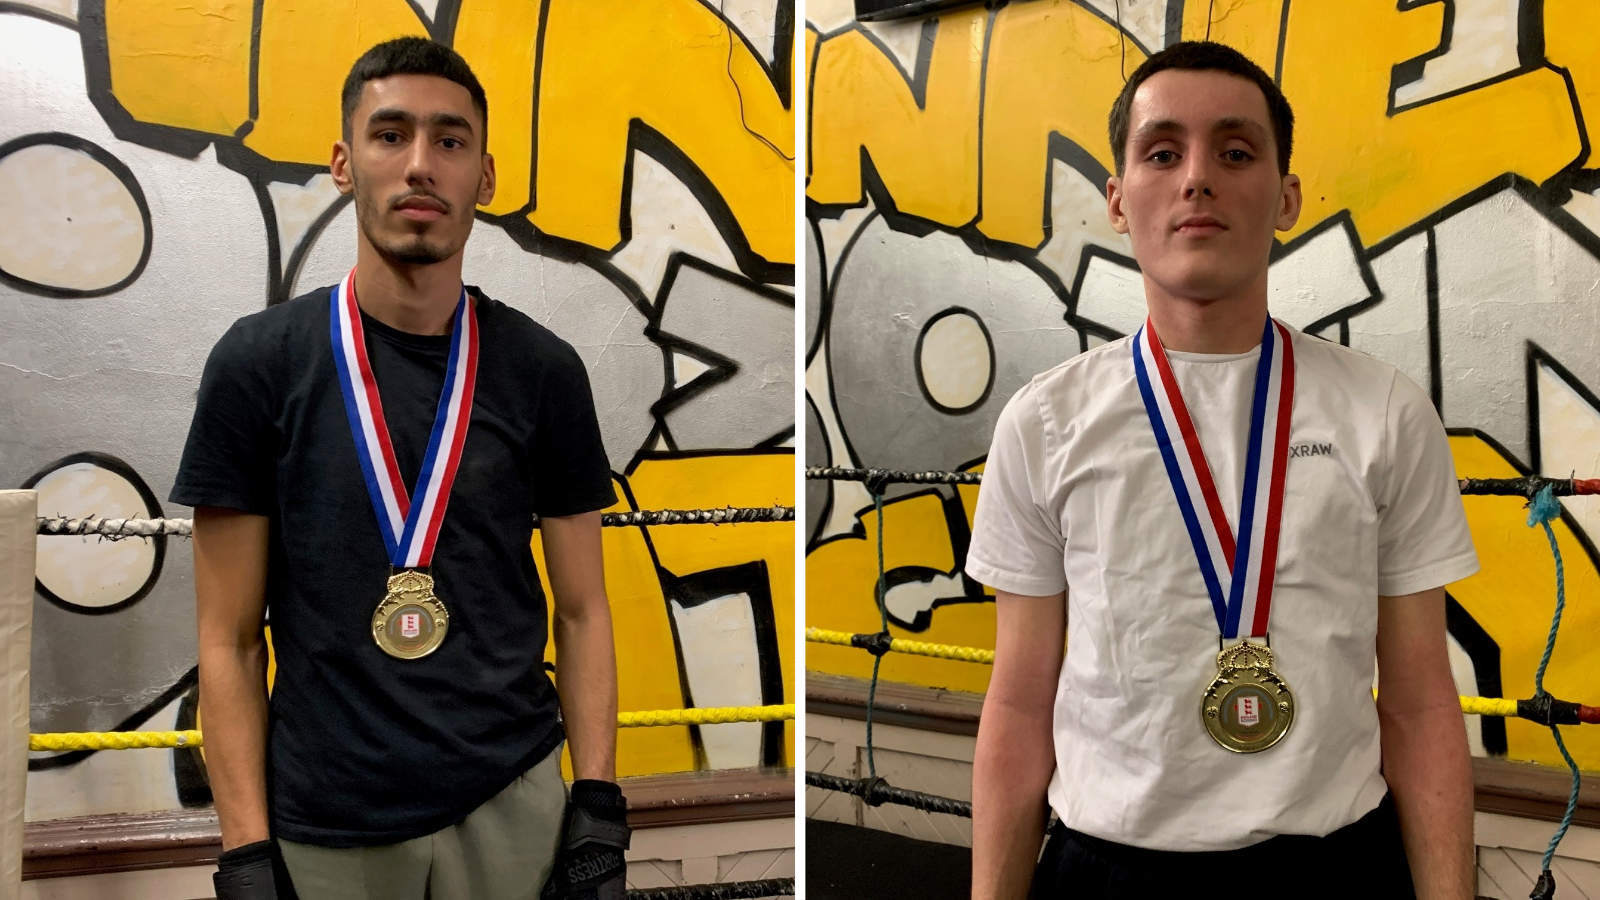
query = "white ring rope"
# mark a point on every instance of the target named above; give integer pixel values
(118, 529)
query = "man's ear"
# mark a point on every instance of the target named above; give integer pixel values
(486, 183)
(1289, 203)
(339, 168)
(1119, 222)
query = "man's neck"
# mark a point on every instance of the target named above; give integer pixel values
(414, 299)
(1222, 325)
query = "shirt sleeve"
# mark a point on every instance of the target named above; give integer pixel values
(1423, 538)
(229, 459)
(1017, 545)
(571, 474)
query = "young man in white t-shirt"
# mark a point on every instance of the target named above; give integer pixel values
(1126, 492)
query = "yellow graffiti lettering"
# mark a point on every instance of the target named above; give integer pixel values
(1570, 27)
(1249, 26)
(186, 66)
(716, 480)
(926, 153)
(1391, 171)
(500, 40)
(666, 64)
(307, 49)
(841, 578)
(1054, 68)
(643, 636)
(1513, 596)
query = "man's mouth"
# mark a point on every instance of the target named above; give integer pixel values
(1201, 226)
(420, 209)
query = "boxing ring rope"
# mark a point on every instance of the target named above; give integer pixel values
(1545, 712)
(121, 528)
(69, 741)
(727, 890)
(1526, 486)
(117, 529)
(1542, 708)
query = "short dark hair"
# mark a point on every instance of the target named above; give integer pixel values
(1203, 56)
(411, 56)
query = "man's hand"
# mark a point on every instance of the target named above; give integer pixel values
(1015, 755)
(590, 863)
(230, 578)
(1425, 756)
(252, 872)
(586, 662)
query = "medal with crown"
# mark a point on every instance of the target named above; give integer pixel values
(1247, 707)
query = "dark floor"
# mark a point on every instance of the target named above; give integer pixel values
(844, 862)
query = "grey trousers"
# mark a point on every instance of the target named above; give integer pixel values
(503, 850)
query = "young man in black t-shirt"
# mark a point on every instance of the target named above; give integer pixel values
(366, 462)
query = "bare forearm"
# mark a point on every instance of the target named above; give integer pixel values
(587, 684)
(233, 708)
(1429, 770)
(230, 576)
(1010, 772)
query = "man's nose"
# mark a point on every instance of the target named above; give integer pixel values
(1197, 178)
(420, 163)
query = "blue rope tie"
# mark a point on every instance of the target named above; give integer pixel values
(1542, 509)
(883, 628)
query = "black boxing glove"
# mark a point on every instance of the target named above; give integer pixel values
(589, 864)
(249, 873)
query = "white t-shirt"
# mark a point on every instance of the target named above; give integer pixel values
(1075, 497)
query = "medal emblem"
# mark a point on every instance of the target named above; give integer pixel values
(1248, 707)
(411, 622)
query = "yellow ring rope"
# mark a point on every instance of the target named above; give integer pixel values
(900, 645)
(1472, 706)
(65, 741)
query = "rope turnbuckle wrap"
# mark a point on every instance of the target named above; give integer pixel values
(729, 890)
(114, 529)
(73, 741)
(1528, 486)
(877, 479)
(118, 529)
(876, 792)
(728, 515)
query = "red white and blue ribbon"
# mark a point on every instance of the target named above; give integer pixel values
(410, 525)
(1238, 573)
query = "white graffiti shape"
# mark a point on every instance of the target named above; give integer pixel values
(887, 291)
(719, 316)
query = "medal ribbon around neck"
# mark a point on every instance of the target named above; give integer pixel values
(409, 529)
(1238, 574)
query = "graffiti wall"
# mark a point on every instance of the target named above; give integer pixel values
(163, 172)
(958, 245)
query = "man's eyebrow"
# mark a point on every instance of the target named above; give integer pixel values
(1158, 126)
(450, 120)
(1239, 124)
(390, 114)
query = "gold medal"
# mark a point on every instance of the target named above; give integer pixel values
(1247, 707)
(411, 622)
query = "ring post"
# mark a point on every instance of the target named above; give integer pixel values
(19, 543)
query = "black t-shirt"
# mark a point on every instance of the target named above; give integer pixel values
(363, 748)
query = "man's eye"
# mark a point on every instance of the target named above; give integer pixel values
(451, 143)
(1237, 156)
(390, 137)
(1162, 157)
